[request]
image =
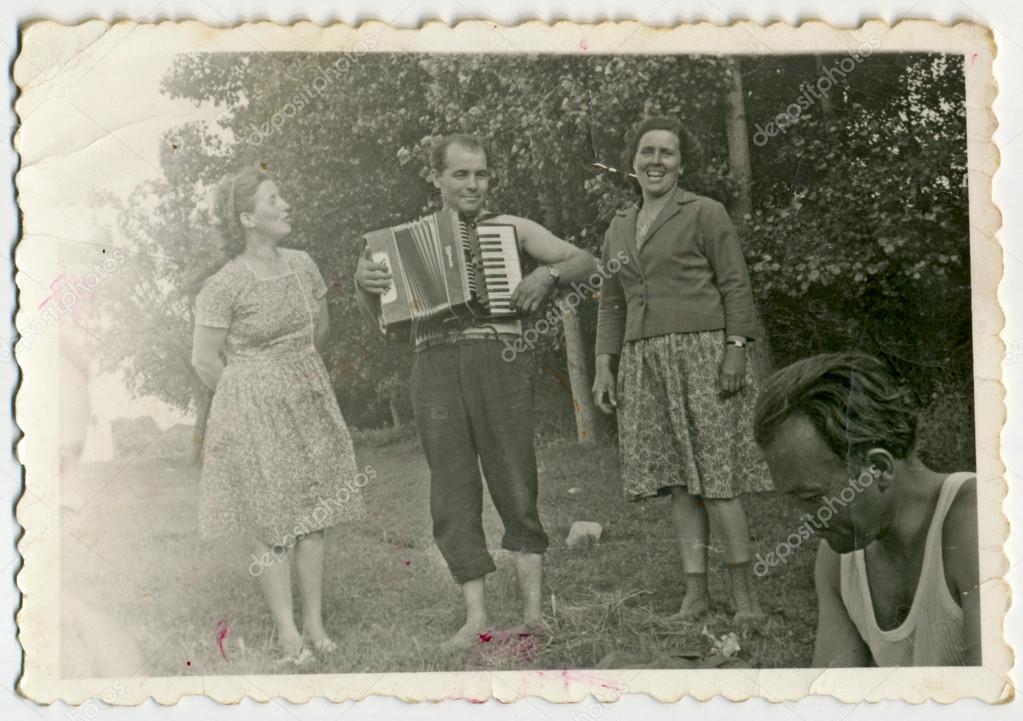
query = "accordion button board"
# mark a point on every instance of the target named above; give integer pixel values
(445, 270)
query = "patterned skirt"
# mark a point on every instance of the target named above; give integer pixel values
(676, 427)
(278, 461)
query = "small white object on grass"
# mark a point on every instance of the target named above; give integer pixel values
(584, 533)
(727, 645)
(573, 490)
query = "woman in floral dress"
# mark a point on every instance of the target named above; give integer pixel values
(680, 317)
(278, 464)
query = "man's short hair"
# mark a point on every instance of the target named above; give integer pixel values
(855, 402)
(439, 151)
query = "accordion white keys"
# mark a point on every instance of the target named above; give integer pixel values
(444, 271)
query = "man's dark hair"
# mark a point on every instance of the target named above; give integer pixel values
(439, 151)
(853, 400)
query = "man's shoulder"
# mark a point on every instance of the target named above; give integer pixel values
(961, 521)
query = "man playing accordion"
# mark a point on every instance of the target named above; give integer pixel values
(473, 408)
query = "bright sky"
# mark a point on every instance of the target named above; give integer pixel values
(92, 120)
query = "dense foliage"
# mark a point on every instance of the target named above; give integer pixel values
(858, 235)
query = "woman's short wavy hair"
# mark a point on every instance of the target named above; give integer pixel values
(688, 148)
(236, 194)
(853, 400)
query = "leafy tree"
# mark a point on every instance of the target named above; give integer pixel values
(865, 240)
(854, 216)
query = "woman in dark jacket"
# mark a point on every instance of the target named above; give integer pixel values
(680, 317)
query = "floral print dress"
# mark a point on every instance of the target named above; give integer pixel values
(278, 460)
(676, 427)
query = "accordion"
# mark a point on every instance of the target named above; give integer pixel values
(444, 270)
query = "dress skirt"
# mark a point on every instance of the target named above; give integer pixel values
(676, 427)
(278, 460)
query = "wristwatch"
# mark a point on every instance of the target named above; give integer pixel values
(555, 273)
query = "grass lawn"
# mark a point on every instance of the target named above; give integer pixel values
(191, 607)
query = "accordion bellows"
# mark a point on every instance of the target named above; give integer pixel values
(444, 269)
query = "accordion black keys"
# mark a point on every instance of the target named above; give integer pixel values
(445, 270)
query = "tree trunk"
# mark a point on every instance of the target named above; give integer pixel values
(825, 98)
(579, 377)
(586, 427)
(742, 170)
(738, 144)
(394, 401)
(203, 397)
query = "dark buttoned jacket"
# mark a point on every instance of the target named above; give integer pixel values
(688, 275)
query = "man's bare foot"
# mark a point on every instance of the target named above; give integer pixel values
(467, 636)
(536, 625)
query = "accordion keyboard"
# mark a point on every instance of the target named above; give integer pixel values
(499, 254)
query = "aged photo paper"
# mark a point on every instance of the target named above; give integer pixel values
(593, 360)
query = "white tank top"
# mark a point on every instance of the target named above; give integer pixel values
(933, 632)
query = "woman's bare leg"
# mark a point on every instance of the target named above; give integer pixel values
(309, 564)
(275, 581)
(689, 517)
(729, 515)
(692, 529)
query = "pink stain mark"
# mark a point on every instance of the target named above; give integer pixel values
(583, 45)
(470, 699)
(56, 282)
(571, 676)
(398, 548)
(507, 646)
(223, 631)
(70, 293)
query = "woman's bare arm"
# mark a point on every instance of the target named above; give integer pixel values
(207, 343)
(322, 327)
